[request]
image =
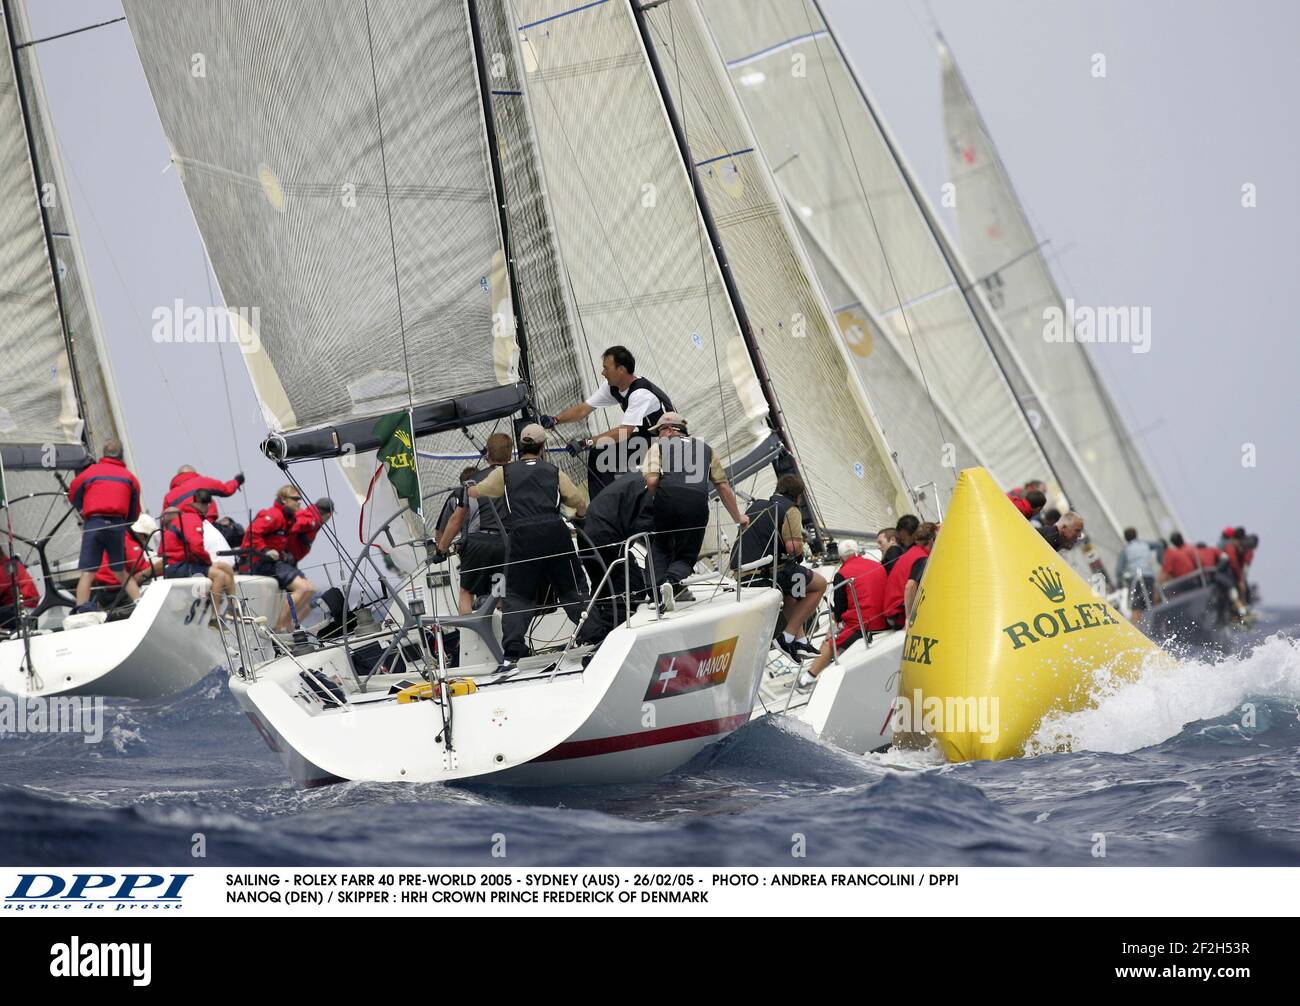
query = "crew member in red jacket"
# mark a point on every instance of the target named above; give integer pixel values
(307, 523)
(859, 589)
(896, 588)
(191, 490)
(108, 497)
(184, 553)
(269, 538)
(13, 571)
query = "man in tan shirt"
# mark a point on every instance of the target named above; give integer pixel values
(678, 471)
(539, 551)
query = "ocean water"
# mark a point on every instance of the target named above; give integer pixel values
(1194, 766)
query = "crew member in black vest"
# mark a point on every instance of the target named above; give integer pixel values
(622, 448)
(776, 529)
(479, 528)
(540, 551)
(624, 509)
(678, 470)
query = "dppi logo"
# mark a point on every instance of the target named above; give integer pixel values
(123, 891)
(1049, 624)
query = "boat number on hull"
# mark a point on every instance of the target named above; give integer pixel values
(690, 670)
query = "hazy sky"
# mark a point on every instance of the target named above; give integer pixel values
(1135, 180)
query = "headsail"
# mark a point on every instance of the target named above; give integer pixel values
(842, 455)
(840, 169)
(38, 402)
(45, 515)
(629, 233)
(999, 242)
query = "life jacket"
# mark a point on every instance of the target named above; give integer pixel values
(182, 539)
(135, 562)
(532, 491)
(486, 515)
(766, 518)
(684, 470)
(1207, 556)
(106, 489)
(183, 487)
(269, 530)
(623, 397)
(898, 577)
(1179, 560)
(869, 584)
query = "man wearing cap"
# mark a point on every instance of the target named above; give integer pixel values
(678, 471)
(307, 523)
(539, 551)
(622, 448)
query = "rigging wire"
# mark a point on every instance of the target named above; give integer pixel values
(225, 384)
(388, 204)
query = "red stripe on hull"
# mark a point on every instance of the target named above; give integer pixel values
(643, 739)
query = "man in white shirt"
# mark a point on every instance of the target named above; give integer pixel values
(621, 448)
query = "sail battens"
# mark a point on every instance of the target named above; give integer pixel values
(293, 198)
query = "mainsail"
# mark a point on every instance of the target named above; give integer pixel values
(337, 167)
(1001, 247)
(842, 171)
(39, 381)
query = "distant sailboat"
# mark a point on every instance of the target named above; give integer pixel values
(843, 174)
(1004, 252)
(58, 406)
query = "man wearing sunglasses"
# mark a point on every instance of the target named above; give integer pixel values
(272, 554)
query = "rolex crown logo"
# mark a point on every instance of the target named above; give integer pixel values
(1049, 582)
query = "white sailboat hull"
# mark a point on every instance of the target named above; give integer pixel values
(653, 694)
(164, 646)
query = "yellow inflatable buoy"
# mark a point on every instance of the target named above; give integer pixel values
(1003, 632)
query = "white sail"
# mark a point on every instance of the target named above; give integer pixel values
(912, 423)
(1001, 247)
(348, 208)
(37, 399)
(842, 455)
(636, 259)
(37, 508)
(840, 168)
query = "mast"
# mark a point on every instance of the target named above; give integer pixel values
(789, 463)
(498, 185)
(12, 42)
(945, 249)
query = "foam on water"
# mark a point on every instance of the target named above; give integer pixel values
(1136, 714)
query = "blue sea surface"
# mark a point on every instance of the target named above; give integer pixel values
(1197, 765)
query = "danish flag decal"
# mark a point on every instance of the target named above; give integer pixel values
(690, 670)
